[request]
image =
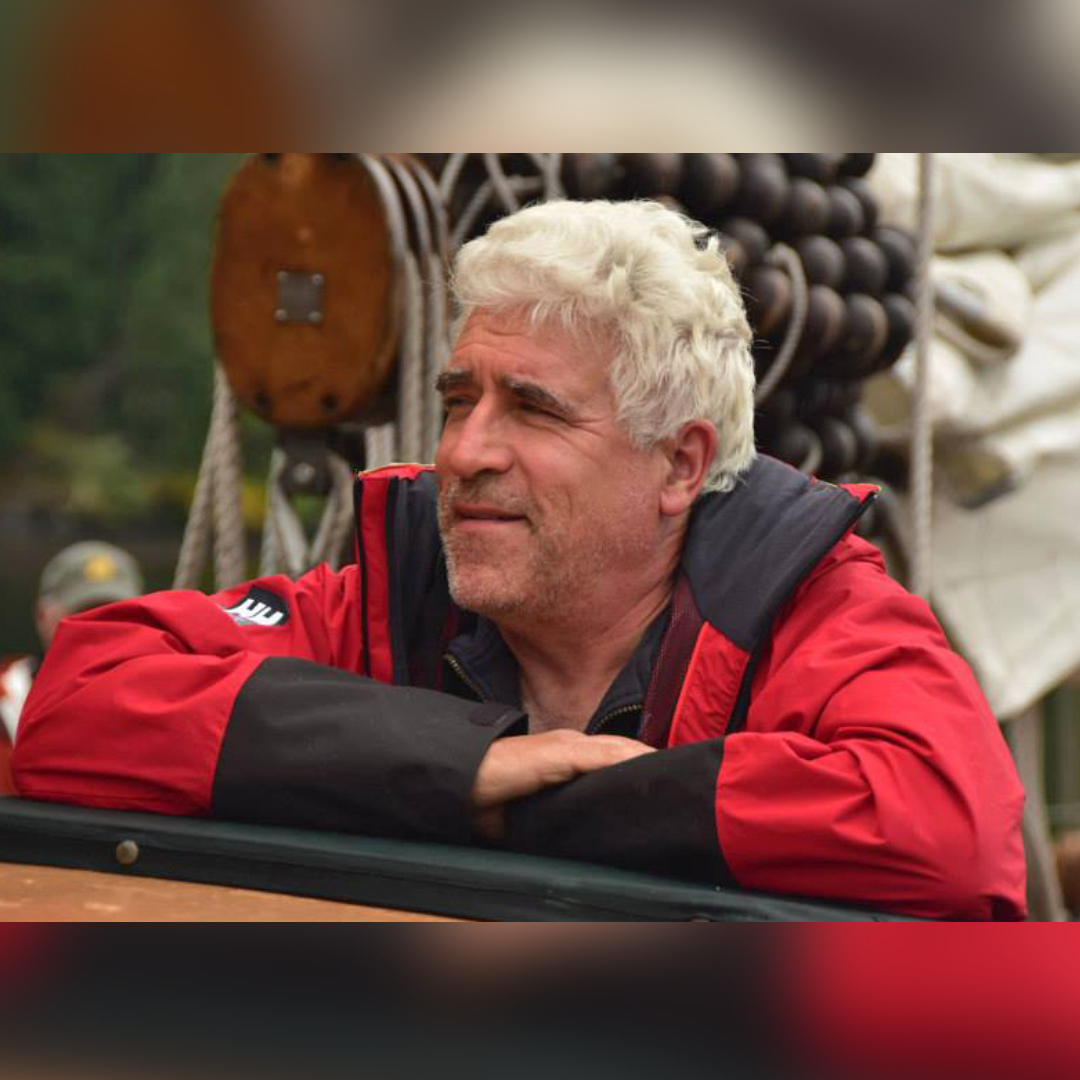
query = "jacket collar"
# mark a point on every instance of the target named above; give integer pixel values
(486, 661)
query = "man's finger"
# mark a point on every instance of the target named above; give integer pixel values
(526, 764)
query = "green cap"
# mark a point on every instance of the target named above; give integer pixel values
(88, 575)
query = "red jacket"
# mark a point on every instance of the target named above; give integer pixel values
(821, 739)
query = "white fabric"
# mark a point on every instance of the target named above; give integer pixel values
(15, 686)
(984, 200)
(1006, 552)
(999, 294)
(1007, 585)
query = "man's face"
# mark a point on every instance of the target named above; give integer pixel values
(542, 496)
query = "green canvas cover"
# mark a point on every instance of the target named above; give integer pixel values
(459, 882)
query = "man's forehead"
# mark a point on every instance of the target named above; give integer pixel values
(485, 337)
(511, 348)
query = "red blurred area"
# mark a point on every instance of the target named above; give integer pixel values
(28, 952)
(956, 1002)
(144, 74)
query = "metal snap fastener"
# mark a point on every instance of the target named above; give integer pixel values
(127, 853)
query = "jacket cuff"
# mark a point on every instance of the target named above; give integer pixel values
(315, 747)
(655, 814)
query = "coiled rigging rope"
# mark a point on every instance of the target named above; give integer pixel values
(786, 259)
(922, 433)
(216, 508)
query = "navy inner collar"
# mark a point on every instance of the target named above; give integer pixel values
(487, 661)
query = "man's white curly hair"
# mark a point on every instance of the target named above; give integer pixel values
(652, 280)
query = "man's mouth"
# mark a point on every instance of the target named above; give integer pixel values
(485, 516)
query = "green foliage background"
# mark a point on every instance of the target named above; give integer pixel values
(105, 342)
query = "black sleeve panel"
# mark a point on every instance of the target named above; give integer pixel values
(315, 747)
(656, 814)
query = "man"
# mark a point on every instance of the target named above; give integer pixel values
(79, 578)
(599, 629)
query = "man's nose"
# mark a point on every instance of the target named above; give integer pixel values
(474, 445)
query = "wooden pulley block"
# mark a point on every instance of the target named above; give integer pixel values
(856, 164)
(865, 194)
(837, 398)
(826, 322)
(821, 168)
(799, 446)
(846, 215)
(901, 255)
(591, 176)
(866, 436)
(736, 256)
(781, 405)
(304, 286)
(648, 175)
(807, 210)
(751, 236)
(823, 261)
(769, 297)
(813, 401)
(710, 184)
(864, 340)
(900, 312)
(839, 446)
(764, 354)
(764, 188)
(867, 266)
(671, 203)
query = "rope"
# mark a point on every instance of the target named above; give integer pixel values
(411, 367)
(812, 462)
(550, 166)
(230, 562)
(520, 185)
(199, 528)
(922, 434)
(289, 540)
(451, 174)
(337, 522)
(270, 554)
(437, 354)
(288, 544)
(216, 507)
(788, 260)
(501, 183)
(380, 446)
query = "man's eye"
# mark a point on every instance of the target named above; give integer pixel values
(537, 410)
(452, 403)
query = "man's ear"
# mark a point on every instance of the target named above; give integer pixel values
(688, 458)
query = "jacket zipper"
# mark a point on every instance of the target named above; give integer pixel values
(460, 672)
(593, 729)
(599, 725)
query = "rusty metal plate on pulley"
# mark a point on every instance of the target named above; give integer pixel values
(300, 298)
(304, 289)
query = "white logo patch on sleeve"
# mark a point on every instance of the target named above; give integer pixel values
(259, 608)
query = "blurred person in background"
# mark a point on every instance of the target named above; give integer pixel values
(79, 578)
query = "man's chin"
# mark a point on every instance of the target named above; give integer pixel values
(485, 593)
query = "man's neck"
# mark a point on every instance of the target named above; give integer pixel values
(568, 665)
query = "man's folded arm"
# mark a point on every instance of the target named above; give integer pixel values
(245, 706)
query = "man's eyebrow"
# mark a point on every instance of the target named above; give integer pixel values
(454, 380)
(522, 389)
(538, 395)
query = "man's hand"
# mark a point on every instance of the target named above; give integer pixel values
(523, 765)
